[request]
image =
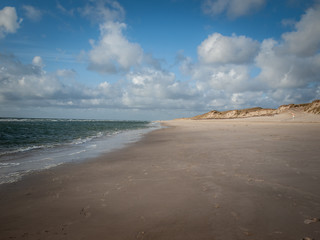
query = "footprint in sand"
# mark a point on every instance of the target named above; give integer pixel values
(311, 220)
(140, 235)
(84, 212)
(217, 205)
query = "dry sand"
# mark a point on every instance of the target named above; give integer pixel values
(219, 179)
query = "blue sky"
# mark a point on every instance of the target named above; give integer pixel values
(159, 59)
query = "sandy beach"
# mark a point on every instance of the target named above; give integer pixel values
(252, 178)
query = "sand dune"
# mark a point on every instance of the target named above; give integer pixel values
(292, 109)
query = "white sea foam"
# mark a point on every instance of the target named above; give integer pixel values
(23, 149)
(92, 146)
(8, 164)
(75, 153)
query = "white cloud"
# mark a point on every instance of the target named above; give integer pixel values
(103, 11)
(227, 78)
(233, 8)
(305, 41)
(284, 70)
(24, 83)
(291, 67)
(32, 13)
(113, 52)
(287, 70)
(67, 73)
(64, 10)
(9, 22)
(29, 85)
(222, 49)
(150, 88)
(215, 7)
(37, 61)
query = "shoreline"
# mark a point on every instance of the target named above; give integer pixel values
(208, 179)
(25, 160)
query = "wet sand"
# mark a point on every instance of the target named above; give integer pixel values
(217, 179)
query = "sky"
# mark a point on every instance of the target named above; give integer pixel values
(155, 59)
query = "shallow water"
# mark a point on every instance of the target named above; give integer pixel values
(28, 145)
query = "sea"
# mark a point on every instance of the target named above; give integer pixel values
(29, 145)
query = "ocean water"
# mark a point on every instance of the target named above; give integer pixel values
(28, 145)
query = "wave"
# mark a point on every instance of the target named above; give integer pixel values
(78, 141)
(76, 153)
(8, 164)
(21, 150)
(63, 120)
(86, 139)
